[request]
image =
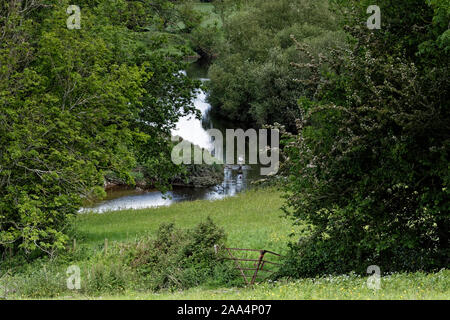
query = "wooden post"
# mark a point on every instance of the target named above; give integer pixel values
(106, 246)
(45, 273)
(74, 244)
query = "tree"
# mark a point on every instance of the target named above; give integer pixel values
(369, 169)
(251, 78)
(74, 105)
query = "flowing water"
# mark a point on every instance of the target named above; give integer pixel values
(195, 131)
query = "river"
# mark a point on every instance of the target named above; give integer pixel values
(195, 131)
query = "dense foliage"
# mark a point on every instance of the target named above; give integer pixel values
(180, 259)
(172, 259)
(369, 170)
(365, 117)
(77, 103)
(251, 78)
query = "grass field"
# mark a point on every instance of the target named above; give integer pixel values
(414, 286)
(411, 286)
(251, 220)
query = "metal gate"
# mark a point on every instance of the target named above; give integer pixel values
(257, 265)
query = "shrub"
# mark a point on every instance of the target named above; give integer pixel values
(107, 277)
(40, 281)
(180, 259)
(173, 259)
(369, 169)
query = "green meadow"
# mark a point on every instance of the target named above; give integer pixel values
(251, 220)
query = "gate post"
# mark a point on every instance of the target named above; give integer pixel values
(260, 259)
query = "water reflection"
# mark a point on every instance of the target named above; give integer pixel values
(235, 181)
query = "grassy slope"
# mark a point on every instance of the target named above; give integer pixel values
(251, 220)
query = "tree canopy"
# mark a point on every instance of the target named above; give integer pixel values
(77, 103)
(369, 169)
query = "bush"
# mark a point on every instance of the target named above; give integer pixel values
(180, 259)
(369, 169)
(173, 259)
(40, 281)
(206, 40)
(111, 278)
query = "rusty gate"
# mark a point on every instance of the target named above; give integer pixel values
(257, 264)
